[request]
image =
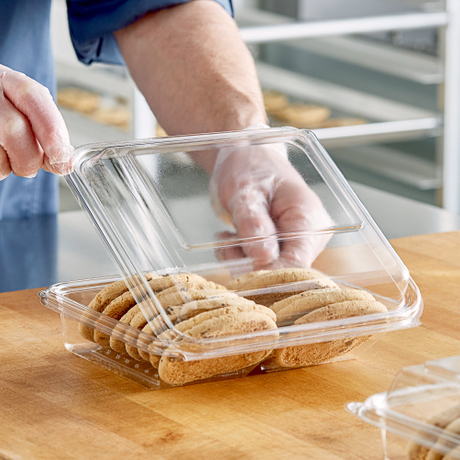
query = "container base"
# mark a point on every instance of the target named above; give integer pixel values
(141, 372)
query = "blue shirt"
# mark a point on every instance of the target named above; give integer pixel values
(25, 46)
(28, 247)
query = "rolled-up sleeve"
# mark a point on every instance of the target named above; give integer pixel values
(92, 24)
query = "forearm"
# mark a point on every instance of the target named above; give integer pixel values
(194, 70)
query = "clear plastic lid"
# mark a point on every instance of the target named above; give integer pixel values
(225, 205)
(420, 414)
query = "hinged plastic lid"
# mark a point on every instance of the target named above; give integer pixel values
(422, 406)
(158, 190)
(159, 208)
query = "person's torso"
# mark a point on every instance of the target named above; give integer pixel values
(25, 43)
(25, 46)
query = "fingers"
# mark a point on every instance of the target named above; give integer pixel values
(267, 198)
(304, 213)
(228, 252)
(251, 219)
(35, 102)
(5, 167)
(303, 251)
(282, 204)
(59, 168)
(24, 156)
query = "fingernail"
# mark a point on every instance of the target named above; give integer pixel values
(60, 153)
(271, 249)
(264, 252)
(62, 168)
(31, 176)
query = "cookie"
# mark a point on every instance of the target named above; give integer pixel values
(164, 282)
(116, 309)
(226, 321)
(186, 292)
(453, 454)
(177, 295)
(345, 309)
(290, 309)
(274, 101)
(441, 420)
(168, 298)
(338, 122)
(107, 295)
(160, 132)
(436, 452)
(316, 353)
(171, 335)
(240, 282)
(119, 116)
(303, 115)
(274, 285)
(270, 296)
(119, 345)
(265, 278)
(188, 310)
(78, 100)
(121, 304)
(296, 301)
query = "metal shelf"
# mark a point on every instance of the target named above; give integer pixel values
(296, 30)
(87, 131)
(99, 78)
(339, 97)
(392, 164)
(410, 65)
(391, 131)
(392, 120)
(425, 71)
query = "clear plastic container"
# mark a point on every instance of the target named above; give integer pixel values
(161, 212)
(419, 417)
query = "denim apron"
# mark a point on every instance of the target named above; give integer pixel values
(25, 46)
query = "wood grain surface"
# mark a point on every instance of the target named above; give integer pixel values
(55, 405)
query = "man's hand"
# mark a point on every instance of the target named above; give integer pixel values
(265, 196)
(33, 134)
(198, 76)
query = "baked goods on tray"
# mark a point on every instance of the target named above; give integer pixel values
(303, 115)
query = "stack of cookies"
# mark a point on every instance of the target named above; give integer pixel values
(300, 296)
(198, 308)
(243, 317)
(195, 308)
(449, 422)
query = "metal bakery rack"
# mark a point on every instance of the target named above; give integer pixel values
(339, 39)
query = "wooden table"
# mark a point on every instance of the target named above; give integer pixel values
(55, 405)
